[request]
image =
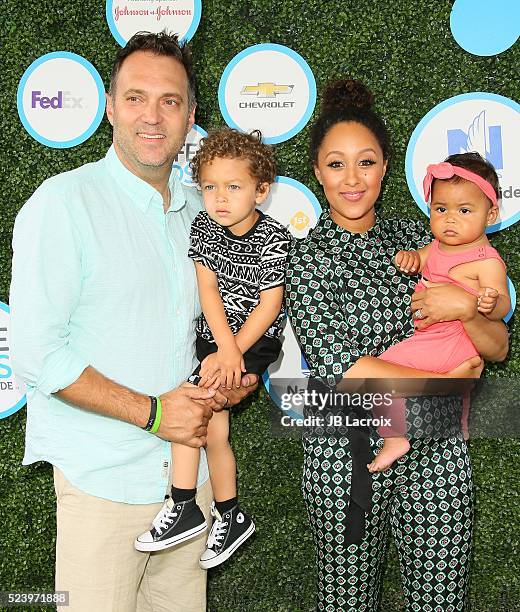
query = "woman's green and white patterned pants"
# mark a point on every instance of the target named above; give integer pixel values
(426, 499)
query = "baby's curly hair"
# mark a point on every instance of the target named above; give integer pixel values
(231, 144)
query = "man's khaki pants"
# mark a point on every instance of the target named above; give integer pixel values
(97, 563)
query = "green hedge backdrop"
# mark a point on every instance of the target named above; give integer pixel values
(406, 53)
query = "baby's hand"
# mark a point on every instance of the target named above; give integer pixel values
(487, 300)
(408, 262)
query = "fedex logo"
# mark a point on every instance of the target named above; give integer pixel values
(63, 99)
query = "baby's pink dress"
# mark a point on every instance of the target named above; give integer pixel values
(441, 346)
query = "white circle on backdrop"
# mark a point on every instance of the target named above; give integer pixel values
(270, 88)
(126, 17)
(186, 154)
(295, 206)
(61, 99)
(483, 122)
(12, 390)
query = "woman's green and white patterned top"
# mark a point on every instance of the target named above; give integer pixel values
(345, 298)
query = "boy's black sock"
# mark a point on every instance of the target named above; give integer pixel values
(224, 506)
(182, 495)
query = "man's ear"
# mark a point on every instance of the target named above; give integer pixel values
(110, 108)
(262, 191)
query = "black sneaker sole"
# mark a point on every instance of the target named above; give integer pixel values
(225, 554)
(178, 539)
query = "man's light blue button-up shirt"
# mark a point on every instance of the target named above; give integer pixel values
(101, 277)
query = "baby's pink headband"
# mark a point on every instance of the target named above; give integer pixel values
(445, 170)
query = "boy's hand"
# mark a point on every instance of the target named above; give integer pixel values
(408, 262)
(487, 300)
(228, 360)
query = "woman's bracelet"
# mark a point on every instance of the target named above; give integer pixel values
(154, 420)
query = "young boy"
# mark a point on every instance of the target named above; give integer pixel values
(240, 256)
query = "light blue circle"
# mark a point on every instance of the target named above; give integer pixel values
(280, 49)
(484, 28)
(101, 94)
(512, 295)
(286, 180)
(22, 401)
(417, 196)
(197, 12)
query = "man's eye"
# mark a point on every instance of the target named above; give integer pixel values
(171, 102)
(133, 99)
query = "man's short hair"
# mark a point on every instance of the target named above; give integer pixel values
(160, 44)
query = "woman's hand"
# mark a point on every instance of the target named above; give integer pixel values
(471, 368)
(442, 302)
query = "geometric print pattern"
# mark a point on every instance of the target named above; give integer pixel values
(244, 265)
(341, 310)
(425, 500)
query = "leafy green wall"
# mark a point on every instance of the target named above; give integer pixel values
(405, 52)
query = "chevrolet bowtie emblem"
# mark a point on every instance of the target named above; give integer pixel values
(266, 90)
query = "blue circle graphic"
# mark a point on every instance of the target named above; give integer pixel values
(64, 144)
(286, 180)
(197, 12)
(22, 401)
(512, 295)
(417, 196)
(279, 49)
(485, 28)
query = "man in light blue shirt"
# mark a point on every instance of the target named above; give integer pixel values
(103, 309)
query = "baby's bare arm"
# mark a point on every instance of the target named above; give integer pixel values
(493, 299)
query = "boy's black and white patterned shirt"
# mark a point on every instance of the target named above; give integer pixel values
(244, 265)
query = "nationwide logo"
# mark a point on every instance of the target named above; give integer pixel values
(300, 220)
(480, 138)
(266, 90)
(479, 122)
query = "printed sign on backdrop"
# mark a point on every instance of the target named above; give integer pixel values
(486, 123)
(269, 88)
(126, 17)
(297, 208)
(61, 99)
(12, 391)
(186, 154)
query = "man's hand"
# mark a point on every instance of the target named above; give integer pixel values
(185, 415)
(442, 302)
(226, 398)
(408, 262)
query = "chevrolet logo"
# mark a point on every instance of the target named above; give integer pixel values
(266, 90)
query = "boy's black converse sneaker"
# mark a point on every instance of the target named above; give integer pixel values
(228, 532)
(174, 523)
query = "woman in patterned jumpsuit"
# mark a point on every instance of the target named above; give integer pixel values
(347, 303)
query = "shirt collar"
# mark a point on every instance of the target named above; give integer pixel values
(139, 191)
(330, 228)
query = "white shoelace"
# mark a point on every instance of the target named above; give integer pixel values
(218, 531)
(164, 519)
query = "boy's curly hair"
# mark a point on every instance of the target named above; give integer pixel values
(231, 144)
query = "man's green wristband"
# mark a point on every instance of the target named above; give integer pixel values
(158, 416)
